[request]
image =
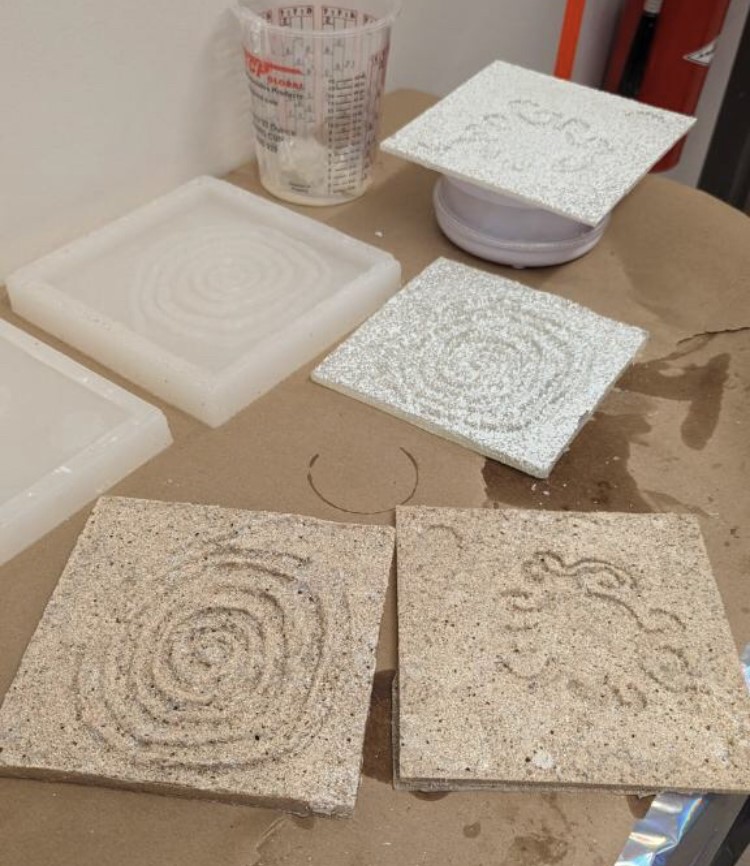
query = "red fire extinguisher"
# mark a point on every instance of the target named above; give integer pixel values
(661, 55)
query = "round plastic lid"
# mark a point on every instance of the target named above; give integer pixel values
(505, 230)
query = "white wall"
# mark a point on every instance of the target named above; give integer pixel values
(437, 45)
(104, 105)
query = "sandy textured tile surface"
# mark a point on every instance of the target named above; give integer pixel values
(563, 650)
(570, 149)
(206, 652)
(505, 370)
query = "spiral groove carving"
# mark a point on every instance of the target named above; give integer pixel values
(515, 355)
(223, 661)
(227, 284)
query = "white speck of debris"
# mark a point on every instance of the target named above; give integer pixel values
(533, 487)
(378, 234)
(543, 760)
(545, 492)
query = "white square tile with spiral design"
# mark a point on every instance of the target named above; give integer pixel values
(208, 296)
(564, 147)
(560, 650)
(203, 651)
(508, 371)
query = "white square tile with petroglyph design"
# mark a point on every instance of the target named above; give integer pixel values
(506, 370)
(66, 435)
(567, 148)
(563, 650)
(208, 296)
(203, 651)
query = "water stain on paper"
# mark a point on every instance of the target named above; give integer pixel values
(536, 849)
(593, 475)
(471, 831)
(701, 386)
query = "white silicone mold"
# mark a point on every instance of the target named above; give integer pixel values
(67, 436)
(207, 296)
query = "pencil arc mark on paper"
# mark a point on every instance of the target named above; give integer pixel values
(328, 501)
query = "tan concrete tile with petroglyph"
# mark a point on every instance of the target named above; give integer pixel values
(204, 651)
(561, 650)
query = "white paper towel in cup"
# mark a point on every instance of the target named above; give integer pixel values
(316, 75)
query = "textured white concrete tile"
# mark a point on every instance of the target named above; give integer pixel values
(207, 296)
(568, 148)
(203, 651)
(562, 650)
(506, 370)
(66, 435)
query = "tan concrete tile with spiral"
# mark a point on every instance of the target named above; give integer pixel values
(203, 651)
(559, 650)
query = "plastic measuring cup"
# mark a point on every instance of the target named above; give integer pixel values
(316, 75)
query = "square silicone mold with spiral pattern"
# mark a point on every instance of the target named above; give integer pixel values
(208, 296)
(506, 370)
